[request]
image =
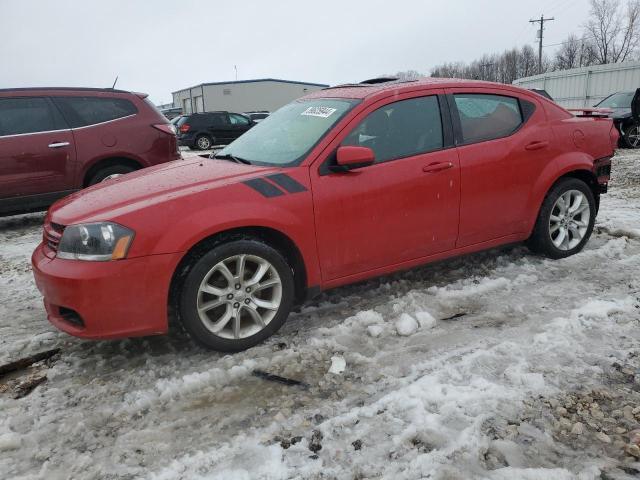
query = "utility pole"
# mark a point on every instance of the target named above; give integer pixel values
(540, 35)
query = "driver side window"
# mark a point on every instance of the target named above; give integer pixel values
(400, 129)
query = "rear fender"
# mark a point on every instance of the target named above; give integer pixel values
(561, 166)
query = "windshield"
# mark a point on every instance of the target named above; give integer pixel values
(617, 100)
(286, 136)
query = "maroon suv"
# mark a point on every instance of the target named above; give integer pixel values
(54, 141)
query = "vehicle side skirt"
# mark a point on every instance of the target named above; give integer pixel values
(502, 241)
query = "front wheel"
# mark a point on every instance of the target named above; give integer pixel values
(236, 295)
(565, 221)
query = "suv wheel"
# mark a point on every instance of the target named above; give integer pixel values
(203, 142)
(236, 295)
(109, 173)
(631, 137)
(565, 221)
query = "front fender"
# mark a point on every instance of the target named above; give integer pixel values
(200, 216)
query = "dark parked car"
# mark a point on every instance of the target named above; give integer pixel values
(257, 116)
(624, 118)
(201, 131)
(542, 92)
(54, 141)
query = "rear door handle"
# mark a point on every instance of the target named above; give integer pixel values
(536, 145)
(437, 167)
(58, 144)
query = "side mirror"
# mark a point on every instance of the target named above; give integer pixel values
(349, 157)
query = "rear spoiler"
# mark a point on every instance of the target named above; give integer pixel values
(591, 112)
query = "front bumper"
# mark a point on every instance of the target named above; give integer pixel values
(101, 300)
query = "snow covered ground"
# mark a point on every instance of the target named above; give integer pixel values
(500, 365)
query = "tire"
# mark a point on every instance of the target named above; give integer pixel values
(631, 137)
(223, 317)
(203, 142)
(558, 233)
(110, 172)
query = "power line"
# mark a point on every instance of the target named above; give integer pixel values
(588, 37)
(540, 35)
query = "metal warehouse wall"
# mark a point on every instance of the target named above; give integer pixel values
(242, 96)
(586, 86)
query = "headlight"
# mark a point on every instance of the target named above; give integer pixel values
(98, 242)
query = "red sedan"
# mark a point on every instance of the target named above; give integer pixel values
(345, 184)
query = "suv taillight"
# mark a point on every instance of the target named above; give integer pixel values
(166, 128)
(185, 128)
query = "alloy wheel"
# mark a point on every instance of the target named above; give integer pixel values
(569, 220)
(633, 136)
(204, 143)
(239, 296)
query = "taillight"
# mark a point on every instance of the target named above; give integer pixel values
(185, 128)
(166, 128)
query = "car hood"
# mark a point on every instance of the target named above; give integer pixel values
(149, 186)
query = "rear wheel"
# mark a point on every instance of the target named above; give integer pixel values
(236, 295)
(565, 221)
(631, 137)
(203, 142)
(109, 173)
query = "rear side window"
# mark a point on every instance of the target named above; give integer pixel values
(400, 129)
(236, 119)
(216, 119)
(83, 111)
(486, 117)
(28, 115)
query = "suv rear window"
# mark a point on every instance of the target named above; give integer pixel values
(203, 120)
(83, 111)
(28, 115)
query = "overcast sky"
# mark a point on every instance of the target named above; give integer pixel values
(159, 46)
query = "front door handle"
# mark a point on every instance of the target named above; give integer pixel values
(437, 167)
(58, 144)
(536, 145)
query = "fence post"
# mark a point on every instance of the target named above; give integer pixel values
(586, 89)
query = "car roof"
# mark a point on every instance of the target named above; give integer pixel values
(380, 86)
(64, 89)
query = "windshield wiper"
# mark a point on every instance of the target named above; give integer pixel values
(233, 158)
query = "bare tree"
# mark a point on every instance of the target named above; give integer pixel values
(408, 75)
(527, 61)
(613, 31)
(568, 55)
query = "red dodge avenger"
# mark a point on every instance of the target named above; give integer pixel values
(345, 184)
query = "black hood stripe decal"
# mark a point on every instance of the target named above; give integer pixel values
(287, 183)
(263, 187)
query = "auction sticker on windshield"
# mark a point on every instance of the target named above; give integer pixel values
(323, 112)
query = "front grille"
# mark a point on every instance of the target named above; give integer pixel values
(52, 234)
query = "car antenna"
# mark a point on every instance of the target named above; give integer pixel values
(114, 83)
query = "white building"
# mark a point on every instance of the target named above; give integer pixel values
(242, 95)
(586, 86)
